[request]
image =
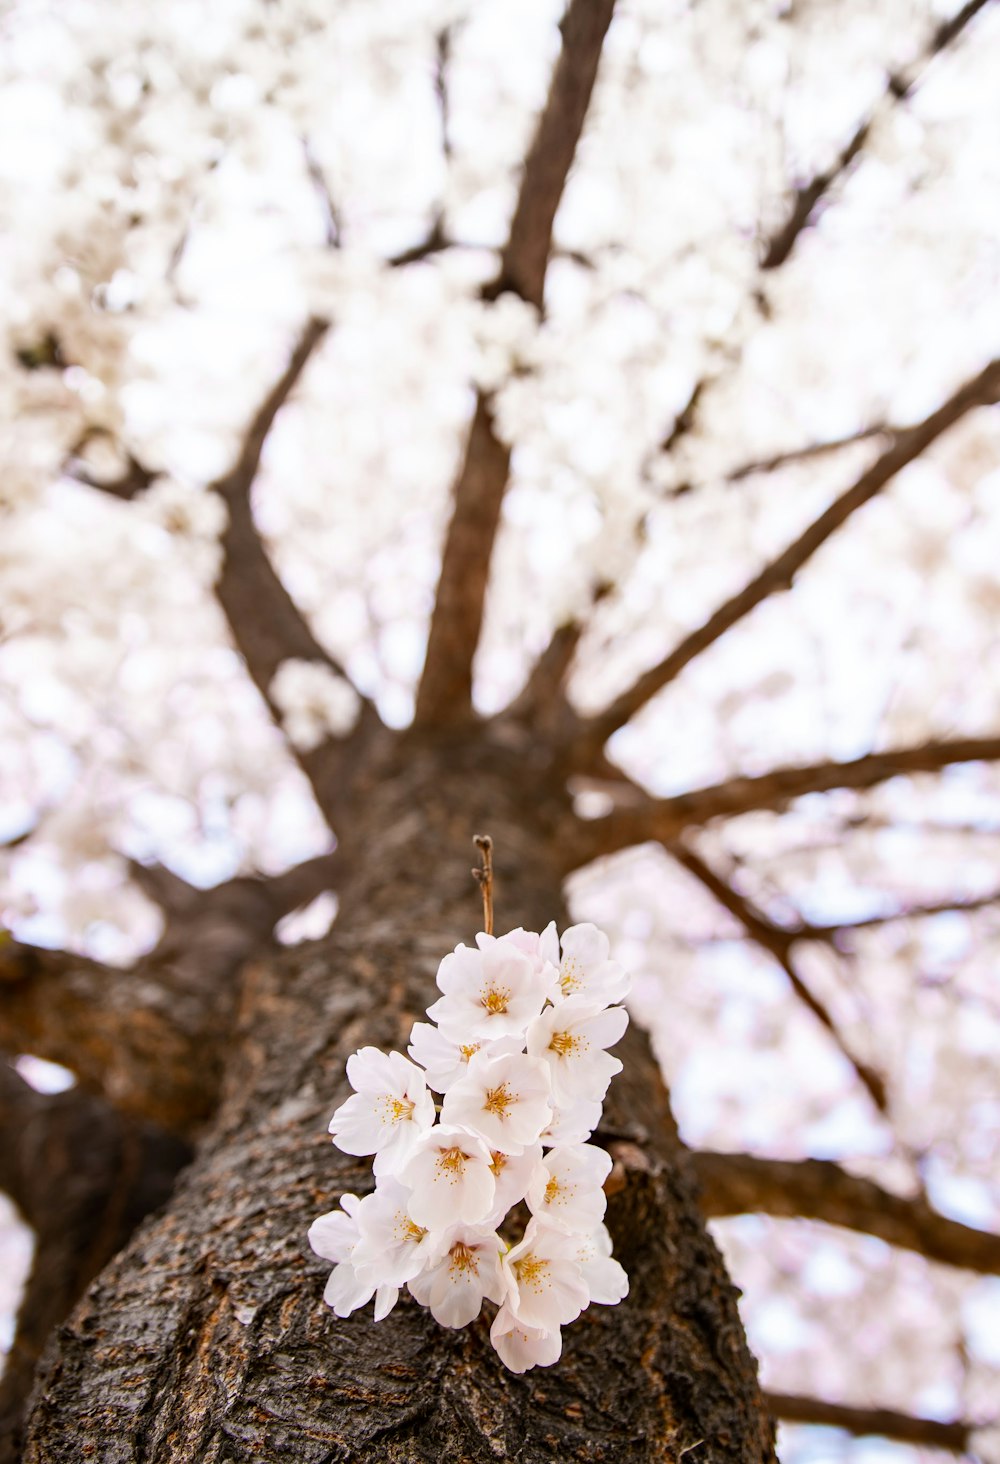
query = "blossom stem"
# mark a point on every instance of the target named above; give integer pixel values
(484, 878)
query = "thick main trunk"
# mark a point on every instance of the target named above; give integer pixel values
(207, 1339)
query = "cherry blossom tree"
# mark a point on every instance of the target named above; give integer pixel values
(575, 421)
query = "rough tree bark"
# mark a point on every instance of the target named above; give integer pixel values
(207, 1338)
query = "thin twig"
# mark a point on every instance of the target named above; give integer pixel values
(484, 878)
(898, 88)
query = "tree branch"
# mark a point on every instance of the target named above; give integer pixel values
(82, 1177)
(543, 704)
(332, 226)
(445, 692)
(778, 943)
(134, 478)
(435, 243)
(809, 452)
(829, 931)
(281, 892)
(645, 819)
(898, 88)
(266, 624)
(525, 256)
(819, 1189)
(983, 389)
(905, 1428)
(150, 1040)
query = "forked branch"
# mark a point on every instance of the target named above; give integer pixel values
(778, 943)
(981, 390)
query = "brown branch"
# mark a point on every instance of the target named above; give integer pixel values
(333, 228)
(898, 88)
(134, 478)
(904, 1427)
(525, 256)
(442, 60)
(435, 243)
(151, 1039)
(266, 624)
(804, 202)
(819, 1189)
(303, 882)
(281, 892)
(82, 1177)
(808, 453)
(983, 389)
(166, 889)
(483, 875)
(829, 931)
(445, 692)
(778, 943)
(542, 704)
(645, 820)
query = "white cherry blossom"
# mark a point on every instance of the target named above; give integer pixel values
(566, 1188)
(392, 1247)
(570, 1039)
(445, 1061)
(543, 948)
(521, 1347)
(390, 1109)
(605, 1277)
(586, 968)
(491, 991)
(468, 1270)
(545, 1285)
(572, 1124)
(451, 1177)
(334, 1237)
(512, 1174)
(503, 1099)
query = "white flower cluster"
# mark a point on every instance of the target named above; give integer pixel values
(519, 1053)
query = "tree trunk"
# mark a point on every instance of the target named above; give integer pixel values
(207, 1339)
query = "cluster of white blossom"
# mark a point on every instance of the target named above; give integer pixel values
(517, 1046)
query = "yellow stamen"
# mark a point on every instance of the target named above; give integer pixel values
(551, 1190)
(494, 1000)
(394, 1110)
(498, 1100)
(531, 1272)
(462, 1259)
(468, 1049)
(452, 1160)
(568, 979)
(564, 1043)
